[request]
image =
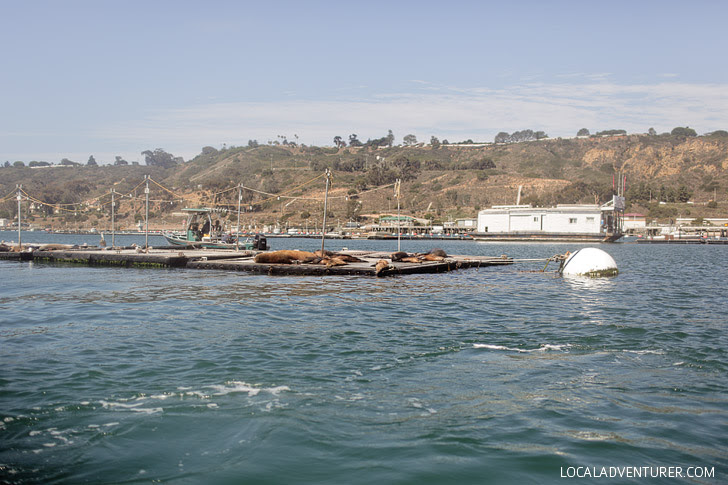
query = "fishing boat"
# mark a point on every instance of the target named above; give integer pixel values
(203, 232)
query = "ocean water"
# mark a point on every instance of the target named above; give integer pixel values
(490, 375)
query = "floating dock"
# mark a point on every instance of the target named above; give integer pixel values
(694, 240)
(231, 260)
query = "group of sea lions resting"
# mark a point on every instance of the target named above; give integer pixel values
(329, 258)
(292, 256)
(433, 255)
(16, 248)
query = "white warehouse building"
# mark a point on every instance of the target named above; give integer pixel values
(563, 222)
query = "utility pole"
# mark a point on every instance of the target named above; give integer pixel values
(146, 230)
(237, 228)
(326, 200)
(20, 198)
(113, 213)
(396, 194)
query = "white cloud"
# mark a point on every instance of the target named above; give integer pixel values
(447, 112)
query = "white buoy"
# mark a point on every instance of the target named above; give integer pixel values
(589, 262)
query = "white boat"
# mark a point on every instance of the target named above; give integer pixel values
(202, 232)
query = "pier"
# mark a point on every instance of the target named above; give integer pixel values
(231, 260)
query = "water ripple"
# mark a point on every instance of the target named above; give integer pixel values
(120, 375)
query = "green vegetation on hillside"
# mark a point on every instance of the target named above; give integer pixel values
(440, 181)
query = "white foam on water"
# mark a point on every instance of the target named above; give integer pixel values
(212, 405)
(233, 387)
(555, 347)
(134, 407)
(199, 394)
(644, 352)
(112, 405)
(491, 347)
(35, 433)
(59, 436)
(277, 390)
(239, 386)
(274, 404)
(148, 410)
(542, 348)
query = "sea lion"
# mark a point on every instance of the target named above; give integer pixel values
(381, 265)
(325, 253)
(333, 261)
(398, 256)
(55, 247)
(435, 254)
(347, 258)
(285, 256)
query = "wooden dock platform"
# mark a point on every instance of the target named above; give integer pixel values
(230, 260)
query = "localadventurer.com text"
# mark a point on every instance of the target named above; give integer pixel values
(637, 472)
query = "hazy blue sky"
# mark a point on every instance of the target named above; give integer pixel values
(118, 77)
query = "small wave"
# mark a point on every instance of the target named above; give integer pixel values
(130, 407)
(239, 386)
(643, 352)
(542, 348)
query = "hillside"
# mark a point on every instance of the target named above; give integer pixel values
(440, 183)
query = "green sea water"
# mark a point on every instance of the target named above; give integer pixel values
(490, 375)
